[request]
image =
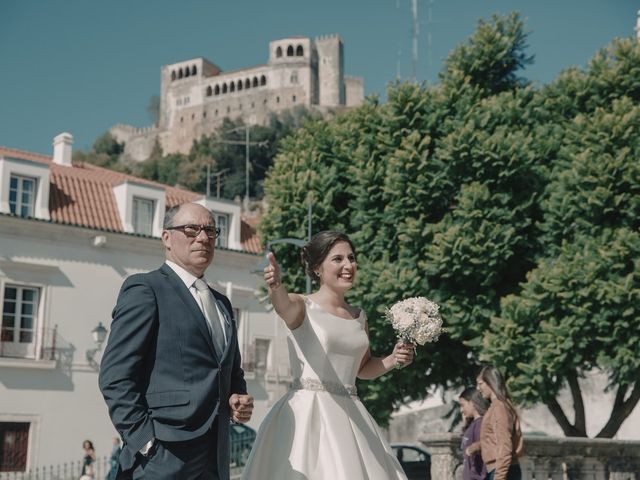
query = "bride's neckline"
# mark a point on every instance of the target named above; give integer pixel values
(333, 314)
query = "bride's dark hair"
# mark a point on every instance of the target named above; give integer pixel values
(314, 252)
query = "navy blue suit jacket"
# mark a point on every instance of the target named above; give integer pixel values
(160, 375)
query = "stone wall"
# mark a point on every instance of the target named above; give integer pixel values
(548, 458)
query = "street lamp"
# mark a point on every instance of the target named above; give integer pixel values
(99, 335)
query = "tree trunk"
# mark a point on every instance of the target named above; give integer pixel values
(578, 404)
(568, 429)
(621, 410)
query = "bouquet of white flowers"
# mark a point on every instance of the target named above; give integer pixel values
(415, 320)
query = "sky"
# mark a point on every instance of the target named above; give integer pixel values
(82, 66)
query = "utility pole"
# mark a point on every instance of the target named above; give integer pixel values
(217, 175)
(246, 175)
(247, 144)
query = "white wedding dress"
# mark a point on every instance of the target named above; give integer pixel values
(320, 430)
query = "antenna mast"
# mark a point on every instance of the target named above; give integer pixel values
(414, 32)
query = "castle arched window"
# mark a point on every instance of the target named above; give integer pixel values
(278, 52)
(299, 51)
(255, 82)
(194, 69)
(239, 85)
(173, 75)
(209, 91)
(289, 51)
(224, 88)
(232, 87)
(247, 84)
(180, 73)
(263, 81)
(277, 99)
(293, 99)
(186, 72)
(216, 91)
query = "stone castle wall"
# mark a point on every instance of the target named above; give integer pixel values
(196, 95)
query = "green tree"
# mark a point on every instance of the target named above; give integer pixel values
(466, 192)
(579, 309)
(439, 187)
(105, 152)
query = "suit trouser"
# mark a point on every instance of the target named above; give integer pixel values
(195, 459)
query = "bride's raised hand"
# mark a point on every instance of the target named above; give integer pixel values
(403, 354)
(272, 272)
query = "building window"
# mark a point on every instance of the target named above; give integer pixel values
(209, 91)
(255, 82)
(289, 51)
(299, 51)
(293, 98)
(278, 52)
(294, 77)
(222, 222)
(263, 80)
(142, 216)
(277, 99)
(19, 319)
(14, 443)
(22, 196)
(194, 70)
(261, 355)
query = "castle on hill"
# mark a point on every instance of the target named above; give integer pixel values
(196, 95)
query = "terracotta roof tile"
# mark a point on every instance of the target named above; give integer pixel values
(82, 194)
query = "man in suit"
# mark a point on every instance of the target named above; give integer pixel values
(170, 373)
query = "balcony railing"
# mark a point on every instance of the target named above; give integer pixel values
(45, 346)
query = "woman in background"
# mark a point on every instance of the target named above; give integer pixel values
(500, 434)
(87, 460)
(472, 406)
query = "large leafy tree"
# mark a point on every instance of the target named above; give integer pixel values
(454, 192)
(579, 309)
(438, 186)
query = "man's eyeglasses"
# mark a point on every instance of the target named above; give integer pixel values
(192, 231)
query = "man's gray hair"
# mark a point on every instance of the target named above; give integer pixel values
(170, 214)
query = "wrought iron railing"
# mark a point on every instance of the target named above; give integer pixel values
(239, 447)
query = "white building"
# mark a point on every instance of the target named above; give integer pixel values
(69, 235)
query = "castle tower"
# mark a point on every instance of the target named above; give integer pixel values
(330, 70)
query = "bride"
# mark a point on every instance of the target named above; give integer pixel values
(320, 430)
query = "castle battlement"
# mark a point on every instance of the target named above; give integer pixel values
(196, 95)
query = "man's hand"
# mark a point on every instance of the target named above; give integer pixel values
(241, 407)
